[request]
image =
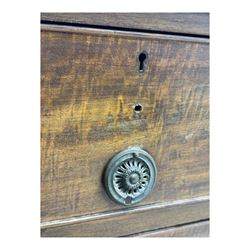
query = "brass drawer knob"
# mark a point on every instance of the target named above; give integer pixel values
(130, 176)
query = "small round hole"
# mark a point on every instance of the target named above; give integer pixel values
(138, 108)
(142, 56)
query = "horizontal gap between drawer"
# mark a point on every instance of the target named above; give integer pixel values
(124, 33)
(120, 212)
(105, 27)
(158, 230)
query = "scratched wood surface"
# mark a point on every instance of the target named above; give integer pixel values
(199, 229)
(89, 85)
(130, 222)
(191, 23)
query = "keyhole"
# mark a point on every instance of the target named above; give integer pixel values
(142, 60)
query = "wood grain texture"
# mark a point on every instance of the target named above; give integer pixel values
(191, 23)
(89, 84)
(132, 222)
(120, 33)
(199, 229)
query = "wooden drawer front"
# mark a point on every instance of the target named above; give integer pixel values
(199, 229)
(131, 221)
(89, 85)
(188, 23)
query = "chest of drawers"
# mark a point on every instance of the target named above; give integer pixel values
(110, 82)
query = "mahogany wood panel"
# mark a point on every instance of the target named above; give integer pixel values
(89, 84)
(131, 221)
(192, 23)
(199, 229)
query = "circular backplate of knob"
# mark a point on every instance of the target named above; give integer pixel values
(130, 176)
